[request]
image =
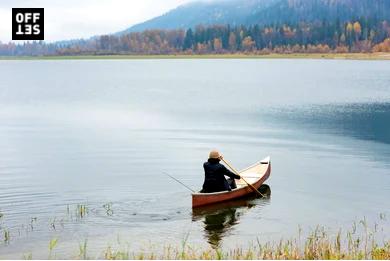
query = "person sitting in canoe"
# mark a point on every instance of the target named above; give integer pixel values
(215, 173)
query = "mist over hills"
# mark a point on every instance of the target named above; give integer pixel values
(261, 12)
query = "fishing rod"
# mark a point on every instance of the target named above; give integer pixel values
(179, 182)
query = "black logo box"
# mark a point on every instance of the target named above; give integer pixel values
(27, 25)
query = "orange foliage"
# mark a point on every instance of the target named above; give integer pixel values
(383, 46)
(248, 44)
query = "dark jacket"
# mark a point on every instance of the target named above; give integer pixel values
(215, 180)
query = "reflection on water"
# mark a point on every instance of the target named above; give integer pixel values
(94, 132)
(367, 121)
(219, 219)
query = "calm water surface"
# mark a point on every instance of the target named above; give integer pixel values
(103, 132)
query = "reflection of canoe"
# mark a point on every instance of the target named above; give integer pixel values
(244, 203)
(255, 175)
(219, 219)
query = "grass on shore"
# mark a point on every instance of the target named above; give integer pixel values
(361, 241)
(320, 244)
(337, 56)
(314, 249)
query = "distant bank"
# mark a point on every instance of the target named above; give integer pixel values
(336, 56)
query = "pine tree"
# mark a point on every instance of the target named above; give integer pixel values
(188, 40)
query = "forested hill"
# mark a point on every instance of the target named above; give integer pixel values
(233, 12)
(262, 12)
(293, 11)
(241, 26)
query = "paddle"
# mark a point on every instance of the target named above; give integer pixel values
(236, 172)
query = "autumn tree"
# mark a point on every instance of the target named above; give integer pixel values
(357, 29)
(248, 43)
(217, 45)
(383, 47)
(232, 42)
(360, 35)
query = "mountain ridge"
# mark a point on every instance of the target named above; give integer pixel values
(261, 12)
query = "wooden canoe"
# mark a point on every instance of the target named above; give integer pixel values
(255, 175)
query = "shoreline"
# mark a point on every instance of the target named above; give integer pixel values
(315, 56)
(361, 240)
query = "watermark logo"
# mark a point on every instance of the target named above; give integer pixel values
(27, 24)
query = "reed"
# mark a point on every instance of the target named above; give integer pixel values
(33, 221)
(81, 210)
(319, 244)
(7, 236)
(108, 208)
(363, 240)
(52, 245)
(27, 256)
(314, 249)
(83, 250)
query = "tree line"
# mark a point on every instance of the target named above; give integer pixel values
(359, 35)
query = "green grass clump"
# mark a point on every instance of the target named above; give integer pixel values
(381, 253)
(52, 244)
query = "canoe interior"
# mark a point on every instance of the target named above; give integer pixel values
(255, 175)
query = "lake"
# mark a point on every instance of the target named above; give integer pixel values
(100, 134)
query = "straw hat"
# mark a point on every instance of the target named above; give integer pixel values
(214, 154)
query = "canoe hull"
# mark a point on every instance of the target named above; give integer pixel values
(202, 199)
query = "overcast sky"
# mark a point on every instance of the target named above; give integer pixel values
(70, 19)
